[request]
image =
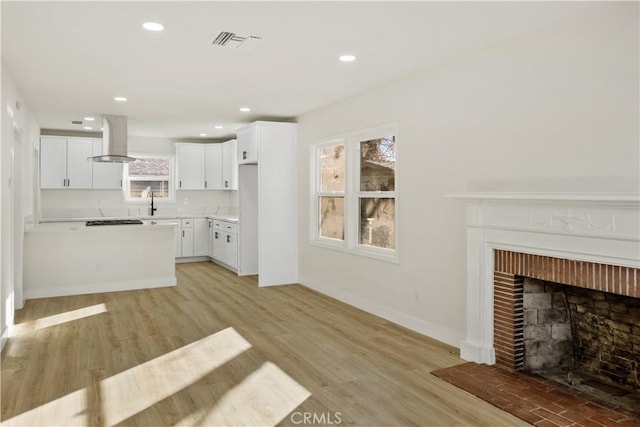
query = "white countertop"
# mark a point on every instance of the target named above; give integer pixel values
(74, 226)
(228, 218)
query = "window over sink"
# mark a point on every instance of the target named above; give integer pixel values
(149, 174)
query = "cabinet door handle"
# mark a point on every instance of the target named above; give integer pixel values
(64, 182)
(226, 184)
(120, 183)
(209, 224)
(228, 239)
(216, 236)
(182, 233)
(205, 184)
(68, 182)
(244, 155)
(180, 184)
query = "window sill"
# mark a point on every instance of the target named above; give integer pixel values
(360, 250)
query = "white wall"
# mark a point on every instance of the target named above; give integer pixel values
(555, 112)
(87, 202)
(17, 152)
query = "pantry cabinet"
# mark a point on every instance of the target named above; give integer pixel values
(267, 189)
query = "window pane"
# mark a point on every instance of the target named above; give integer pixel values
(143, 189)
(150, 167)
(377, 222)
(332, 217)
(332, 168)
(378, 164)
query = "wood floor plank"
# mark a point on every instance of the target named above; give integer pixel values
(218, 350)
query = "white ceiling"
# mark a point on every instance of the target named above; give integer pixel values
(69, 59)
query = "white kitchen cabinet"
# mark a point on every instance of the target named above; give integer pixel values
(247, 138)
(231, 250)
(199, 166)
(213, 166)
(200, 237)
(267, 189)
(64, 164)
(190, 159)
(224, 243)
(230, 165)
(186, 243)
(210, 238)
(105, 175)
(53, 162)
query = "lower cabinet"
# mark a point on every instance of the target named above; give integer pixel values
(187, 238)
(224, 243)
(200, 237)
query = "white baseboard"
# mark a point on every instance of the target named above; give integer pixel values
(5, 337)
(100, 288)
(192, 259)
(423, 327)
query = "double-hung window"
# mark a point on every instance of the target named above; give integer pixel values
(354, 195)
(149, 174)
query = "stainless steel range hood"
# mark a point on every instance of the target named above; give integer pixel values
(114, 140)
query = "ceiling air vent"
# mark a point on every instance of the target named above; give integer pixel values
(228, 39)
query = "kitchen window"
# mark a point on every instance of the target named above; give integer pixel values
(354, 205)
(149, 174)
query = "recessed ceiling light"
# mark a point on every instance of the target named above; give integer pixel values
(245, 109)
(203, 134)
(347, 58)
(218, 127)
(120, 99)
(89, 119)
(87, 128)
(153, 26)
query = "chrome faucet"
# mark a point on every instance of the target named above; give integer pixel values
(152, 208)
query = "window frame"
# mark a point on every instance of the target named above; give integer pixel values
(352, 194)
(126, 186)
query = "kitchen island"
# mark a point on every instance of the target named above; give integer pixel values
(69, 258)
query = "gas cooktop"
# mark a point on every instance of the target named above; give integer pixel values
(113, 222)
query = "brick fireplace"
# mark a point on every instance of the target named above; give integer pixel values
(612, 356)
(586, 241)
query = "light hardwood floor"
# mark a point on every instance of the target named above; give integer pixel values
(217, 350)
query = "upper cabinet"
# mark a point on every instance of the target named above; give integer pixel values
(190, 159)
(248, 144)
(64, 164)
(229, 165)
(206, 166)
(106, 176)
(213, 166)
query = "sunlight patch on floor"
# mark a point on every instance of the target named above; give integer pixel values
(138, 388)
(129, 392)
(69, 410)
(57, 319)
(264, 398)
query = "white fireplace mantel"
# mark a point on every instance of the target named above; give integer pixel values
(597, 227)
